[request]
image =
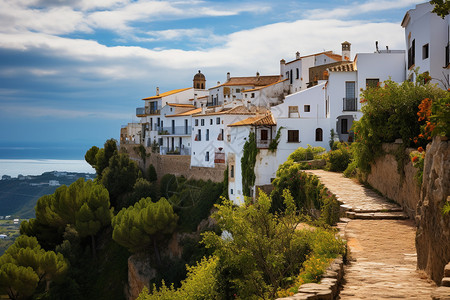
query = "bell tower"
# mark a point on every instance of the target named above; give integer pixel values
(199, 81)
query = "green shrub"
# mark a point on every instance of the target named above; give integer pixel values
(338, 160)
(151, 173)
(352, 170)
(306, 154)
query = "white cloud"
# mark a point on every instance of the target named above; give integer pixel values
(354, 9)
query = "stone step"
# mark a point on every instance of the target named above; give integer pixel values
(377, 216)
(445, 282)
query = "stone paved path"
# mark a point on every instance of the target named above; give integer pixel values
(382, 251)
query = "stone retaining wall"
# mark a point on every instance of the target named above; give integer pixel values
(179, 165)
(385, 178)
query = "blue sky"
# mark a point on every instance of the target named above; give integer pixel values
(73, 71)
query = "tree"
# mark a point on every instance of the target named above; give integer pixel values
(248, 162)
(151, 173)
(120, 176)
(99, 158)
(25, 266)
(441, 7)
(259, 249)
(142, 189)
(84, 204)
(144, 225)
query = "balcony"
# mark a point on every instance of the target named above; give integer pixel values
(177, 130)
(350, 104)
(140, 112)
(219, 158)
(263, 144)
(174, 151)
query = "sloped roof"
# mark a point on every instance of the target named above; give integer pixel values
(327, 53)
(262, 87)
(252, 81)
(187, 113)
(267, 120)
(349, 67)
(237, 110)
(165, 94)
(198, 98)
(181, 105)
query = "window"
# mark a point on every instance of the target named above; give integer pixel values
(231, 191)
(447, 54)
(199, 135)
(307, 108)
(207, 134)
(207, 156)
(173, 126)
(425, 52)
(344, 126)
(238, 90)
(298, 74)
(232, 171)
(290, 77)
(217, 121)
(264, 134)
(253, 95)
(292, 136)
(210, 121)
(196, 122)
(186, 131)
(287, 74)
(203, 122)
(350, 89)
(319, 135)
(293, 112)
(372, 82)
(411, 54)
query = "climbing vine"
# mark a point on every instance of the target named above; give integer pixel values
(274, 143)
(248, 161)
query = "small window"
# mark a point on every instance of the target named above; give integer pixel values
(207, 156)
(298, 74)
(372, 82)
(307, 108)
(203, 122)
(264, 134)
(232, 171)
(207, 134)
(293, 136)
(238, 90)
(196, 122)
(231, 191)
(199, 135)
(425, 52)
(253, 95)
(319, 135)
(210, 121)
(217, 121)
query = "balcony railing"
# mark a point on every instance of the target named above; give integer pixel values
(263, 144)
(175, 151)
(177, 130)
(219, 158)
(349, 104)
(145, 111)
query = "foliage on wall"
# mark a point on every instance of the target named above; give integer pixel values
(248, 162)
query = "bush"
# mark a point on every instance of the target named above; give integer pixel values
(306, 154)
(151, 173)
(352, 170)
(338, 160)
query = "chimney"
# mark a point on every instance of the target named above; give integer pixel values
(257, 75)
(282, 65)
(218, 82)
(297, 55)
(228, 76)
(346, 51)
(157, 91)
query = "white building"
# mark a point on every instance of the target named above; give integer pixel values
(266, 165)
(427, 39)
(232, 89)
(131, 133)
(297, 71)
(210, 133)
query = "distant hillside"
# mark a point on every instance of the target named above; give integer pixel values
(18, 196)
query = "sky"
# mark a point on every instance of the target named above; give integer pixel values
(73, 71)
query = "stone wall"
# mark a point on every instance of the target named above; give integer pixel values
(179, 165)
(402, 189)
(433, 228)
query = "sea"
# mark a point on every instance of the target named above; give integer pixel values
(36, 159)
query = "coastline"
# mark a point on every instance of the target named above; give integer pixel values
(14, 167)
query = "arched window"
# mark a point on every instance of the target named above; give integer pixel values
(319, 135)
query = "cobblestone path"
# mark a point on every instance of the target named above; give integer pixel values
(381, 243)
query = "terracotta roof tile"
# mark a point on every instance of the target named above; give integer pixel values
(252, 81)
(262, 87)
(349, 67)
(181, 105)
(256, 121)
(327, 53)
(237, 110)
(187, 113)
(165, 94)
